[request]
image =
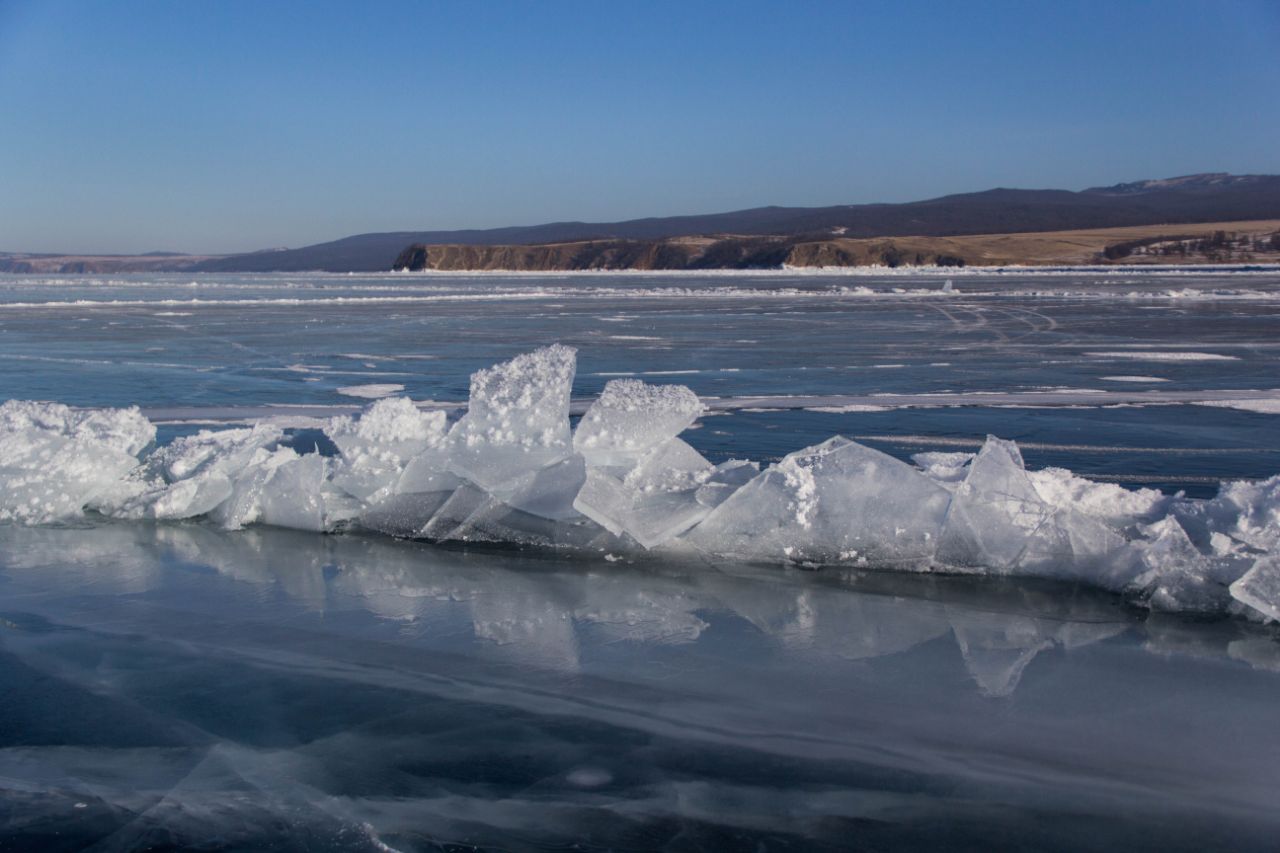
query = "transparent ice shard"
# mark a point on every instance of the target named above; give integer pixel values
(641, 481)
(838, 501)
(652, 502)
(997, 519)
(293, 495)
(1259, 588)
(725, 479)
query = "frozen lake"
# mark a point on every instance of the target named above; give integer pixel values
(174, 682)
(1097, 368)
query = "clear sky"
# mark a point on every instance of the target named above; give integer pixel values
(233, 126)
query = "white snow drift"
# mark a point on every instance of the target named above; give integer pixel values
(512, 470)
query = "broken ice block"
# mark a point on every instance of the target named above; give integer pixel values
(653, 502)
(56, 461)
(997, 519)
(630, 418)
(517, 421)
(292, 495)
(1259, 587)
(375, 448)
(836, 501)
(198, 472)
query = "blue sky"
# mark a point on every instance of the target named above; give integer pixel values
(234, 126)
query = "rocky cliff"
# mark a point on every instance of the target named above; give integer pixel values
(1213, 242)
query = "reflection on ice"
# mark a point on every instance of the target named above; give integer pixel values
(352, 691)
(512, 471)
(544, 606)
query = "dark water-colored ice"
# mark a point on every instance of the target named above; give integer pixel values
(179, 685)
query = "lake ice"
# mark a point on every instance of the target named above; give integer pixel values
(823, 439)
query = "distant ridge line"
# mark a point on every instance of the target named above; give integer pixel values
(1186, 199)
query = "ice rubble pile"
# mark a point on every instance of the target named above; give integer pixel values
(512, 470)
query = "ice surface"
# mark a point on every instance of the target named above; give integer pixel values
(511, 471)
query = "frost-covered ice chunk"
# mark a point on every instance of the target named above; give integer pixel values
(836, 501)
(517, 420)
(630, 418)
(943, 467)
(1259, 587)
(123, 430)
(374, 449)
(194, 474)
(1247, 513)
(236, 477)
(1109, 502)
(55, 461)
(224, 451)
(641, 480)
(394, 425)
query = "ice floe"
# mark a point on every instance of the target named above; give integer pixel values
(512, 469)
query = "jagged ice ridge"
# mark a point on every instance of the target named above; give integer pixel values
(512, 470)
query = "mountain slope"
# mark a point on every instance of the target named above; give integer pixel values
(1193, 198)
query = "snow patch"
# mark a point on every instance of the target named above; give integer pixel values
(372, 391)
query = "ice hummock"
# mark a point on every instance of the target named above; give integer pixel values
(517, 421)
(56, 462)
(512, 470)
(641, 481)
(839, 501)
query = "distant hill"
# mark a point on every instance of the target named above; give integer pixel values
(1214, 197)
(45, 264)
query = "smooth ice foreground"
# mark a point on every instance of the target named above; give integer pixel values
(512, 470)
